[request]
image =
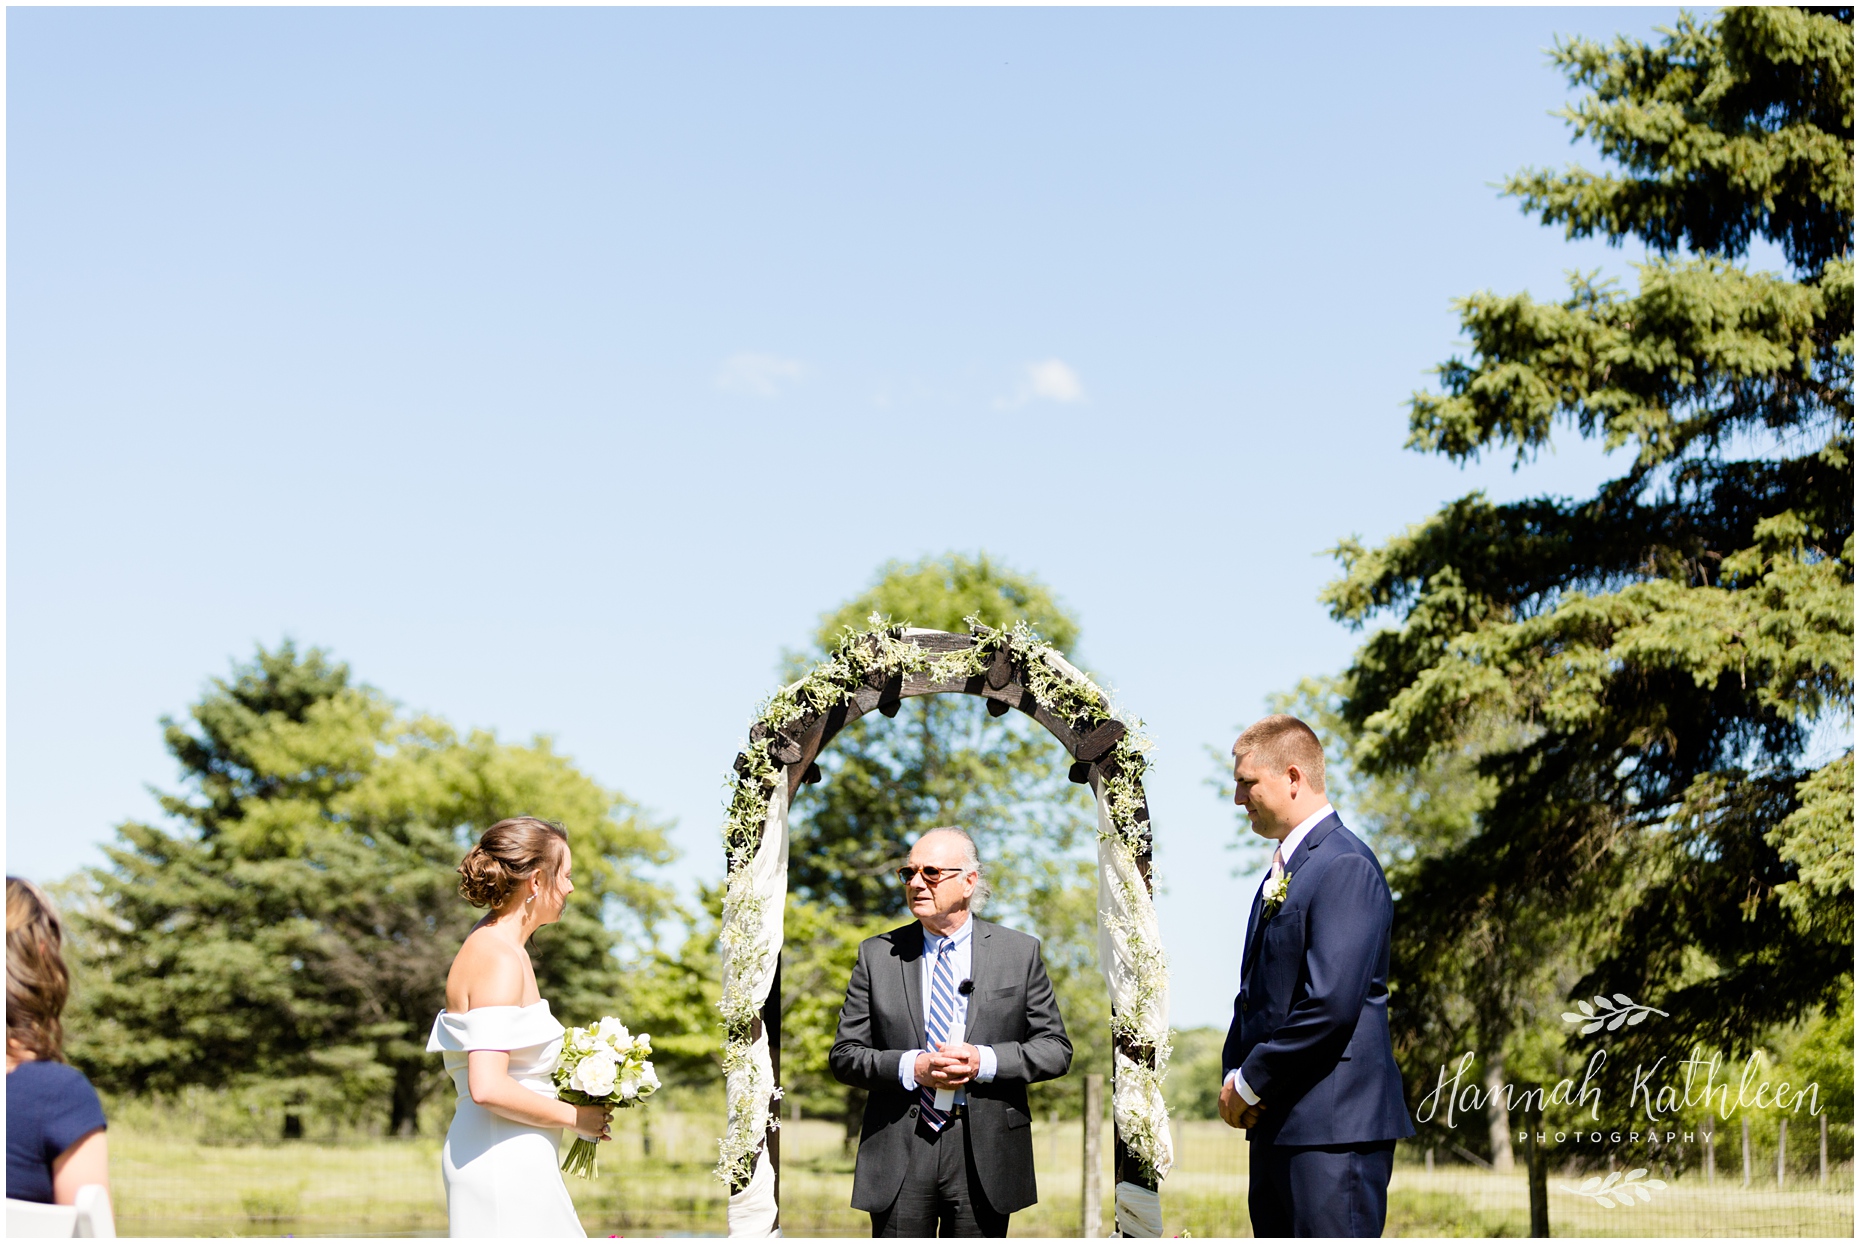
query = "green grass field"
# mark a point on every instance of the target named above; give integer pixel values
(656, 1181)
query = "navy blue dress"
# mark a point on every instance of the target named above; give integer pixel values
(49, 1107)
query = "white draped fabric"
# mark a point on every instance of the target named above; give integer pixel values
(752, 1211)
(1139, 1212)
(1130, 955)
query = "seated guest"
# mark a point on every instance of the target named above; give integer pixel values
(54, 1122)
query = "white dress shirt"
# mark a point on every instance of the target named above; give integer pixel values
(960, 963)
(1286, 846)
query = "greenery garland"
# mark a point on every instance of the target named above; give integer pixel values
(862, 660)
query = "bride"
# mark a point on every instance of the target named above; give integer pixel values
(500, 1044)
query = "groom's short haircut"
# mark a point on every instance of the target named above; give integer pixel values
(1281, 741)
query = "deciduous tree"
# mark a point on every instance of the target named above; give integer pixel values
(290, 929)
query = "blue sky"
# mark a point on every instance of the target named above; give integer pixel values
(559, 368)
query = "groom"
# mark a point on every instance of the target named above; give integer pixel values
(1308, 1066)
(955, 1004)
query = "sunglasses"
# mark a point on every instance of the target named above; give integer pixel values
(931, 873)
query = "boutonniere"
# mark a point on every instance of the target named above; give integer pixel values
(1275, 893)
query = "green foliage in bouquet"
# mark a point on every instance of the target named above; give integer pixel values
(288, 933)
(602, 1065)
(1633, 684)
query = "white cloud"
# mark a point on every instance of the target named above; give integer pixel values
(758, 375)
(1055, 381)
(1049, 380)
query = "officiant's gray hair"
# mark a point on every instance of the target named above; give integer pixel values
(970, 860)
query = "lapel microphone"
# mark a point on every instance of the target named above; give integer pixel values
(966, 988)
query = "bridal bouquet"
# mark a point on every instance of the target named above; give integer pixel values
(602, 1066)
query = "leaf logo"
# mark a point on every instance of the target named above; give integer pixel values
(1617, 1189)
(1610, 1014)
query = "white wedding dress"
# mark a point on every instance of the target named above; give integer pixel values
(502, 1177)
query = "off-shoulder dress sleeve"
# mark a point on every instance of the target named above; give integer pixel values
(493, 1028)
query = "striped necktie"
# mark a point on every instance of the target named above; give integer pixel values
(1278, 862)
(939, 1015)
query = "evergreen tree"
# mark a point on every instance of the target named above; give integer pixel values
(291, 932)
(1639, 675)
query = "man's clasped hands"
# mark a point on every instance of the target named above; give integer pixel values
(952, 1065)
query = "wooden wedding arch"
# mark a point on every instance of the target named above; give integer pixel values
(995, 665)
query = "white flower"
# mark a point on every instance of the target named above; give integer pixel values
(629, 1088)
(1275, 893)
(594, 1074)
(642, 1045)
(614, 1033)
(648, 1080)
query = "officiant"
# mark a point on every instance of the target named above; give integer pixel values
(946, 1022)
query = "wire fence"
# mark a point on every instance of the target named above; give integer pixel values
(656, 1180)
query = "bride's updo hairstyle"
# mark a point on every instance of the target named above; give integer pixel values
(506, 855)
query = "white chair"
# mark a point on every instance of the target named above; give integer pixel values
(89, 1218)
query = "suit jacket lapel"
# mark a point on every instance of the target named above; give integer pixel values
(1253, 931)
(911, 956)
(978, 957)
(1311, 841)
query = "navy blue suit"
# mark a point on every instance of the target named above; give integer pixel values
(1311, 1038)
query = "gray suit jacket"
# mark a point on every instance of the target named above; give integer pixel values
(1011, 1009)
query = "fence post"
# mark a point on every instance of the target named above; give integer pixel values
(1711, 1160)
(1430, 1159)
(1824, 1153)
(1535, 1162)
(1782, 1150)
(1746, 1151)
(1091, 1192)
